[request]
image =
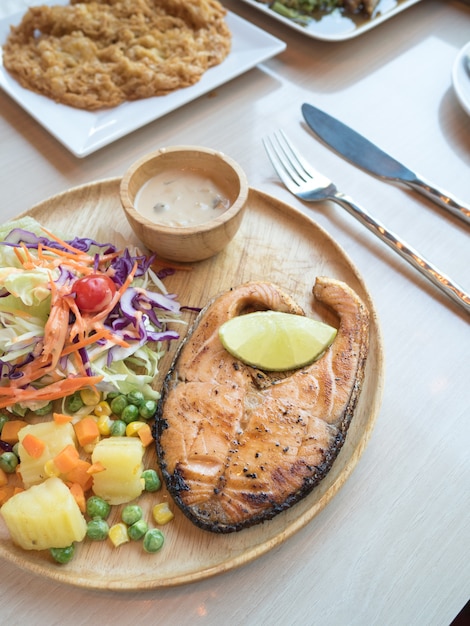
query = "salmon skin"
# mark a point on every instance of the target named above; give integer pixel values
(237, 445)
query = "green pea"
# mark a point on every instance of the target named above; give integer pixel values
(44, 410)
(131, 513)
(130, 413)
(74, 403)
(97, 529)
(118, 404)
(97, 507)
(147, 409)
(3, 420)
(152, 480)
(153, 540)
(111, 395)
(137, 530)
(16, 449)
(63, 555)
(136, 397)
(118, 428)
(8, 462)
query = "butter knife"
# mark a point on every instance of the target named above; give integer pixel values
(360, 151)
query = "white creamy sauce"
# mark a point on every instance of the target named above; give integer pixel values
(181, 198)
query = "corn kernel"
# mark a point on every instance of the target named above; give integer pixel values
(50, 468)
(162, 513)
(104, 425)
(90, 397)
(90, 446)
(132, 429)
(102, 408)
(118, 534)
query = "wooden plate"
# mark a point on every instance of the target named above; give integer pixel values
(277, 243)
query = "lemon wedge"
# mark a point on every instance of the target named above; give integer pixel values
(275, 341)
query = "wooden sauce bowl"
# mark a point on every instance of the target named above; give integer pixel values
(195, 242)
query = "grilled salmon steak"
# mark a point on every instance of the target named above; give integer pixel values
(237, 445)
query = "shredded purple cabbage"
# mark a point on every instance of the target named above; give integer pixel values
(19, 236)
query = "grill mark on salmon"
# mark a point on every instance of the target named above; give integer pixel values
(236, 445)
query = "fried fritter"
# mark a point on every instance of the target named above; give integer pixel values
(93, 54)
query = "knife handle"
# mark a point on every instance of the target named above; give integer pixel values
(443, 198)
(414, 258)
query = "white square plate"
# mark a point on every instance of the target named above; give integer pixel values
(84, 132)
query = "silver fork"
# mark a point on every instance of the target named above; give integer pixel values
(309, 185)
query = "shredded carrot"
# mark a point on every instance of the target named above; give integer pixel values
(29, 259)
(61, 418)
(96, 468)
(11, 429)
(79, 328)
(33, 445)
(78, 493)
(61, 242)
(56, 328)
(79, 365)
(58, 389)
(74, 256)
(103, 333)
(67, 459)
(32, 371)
(18, 255)
(80, 475)
(87, 431)
(145, 435)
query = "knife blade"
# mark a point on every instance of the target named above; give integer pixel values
(363, 153)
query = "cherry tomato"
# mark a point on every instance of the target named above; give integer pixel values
(94, 292)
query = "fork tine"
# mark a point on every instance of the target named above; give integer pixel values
(287, 170)
(278, 164)
(295, 159)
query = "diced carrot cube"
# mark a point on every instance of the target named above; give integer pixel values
(87, 431)
(61, 418)
(6, 493)
(33, 445)
(3, 478)
(95, 468)
(80, 475)
(145, 435)
(11, 429)
(67, 459)
(79, 495)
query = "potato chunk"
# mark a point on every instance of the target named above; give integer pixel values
(44, 516)
(55, 436)
(121, 481)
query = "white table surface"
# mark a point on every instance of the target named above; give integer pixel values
(393, 546)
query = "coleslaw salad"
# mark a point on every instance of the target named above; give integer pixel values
(49, 346)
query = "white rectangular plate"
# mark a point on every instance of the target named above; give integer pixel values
(336, 26)
(84, 132)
